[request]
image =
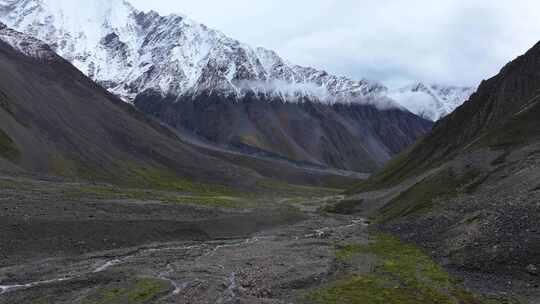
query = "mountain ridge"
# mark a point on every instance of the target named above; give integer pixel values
(172, 54)
(170, 67)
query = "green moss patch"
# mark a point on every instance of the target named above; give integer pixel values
(119, 193)
(374, 290)
(128, 175)
(8, 149)
(425, 195)
(11, 184)
(167, 188)
(142, 290)
(347, 252)
(168, 180)
(404, 275)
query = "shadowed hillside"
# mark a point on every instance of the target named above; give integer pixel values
(469, 191)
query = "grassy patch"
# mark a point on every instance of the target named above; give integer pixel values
(64, 166)
(168, 180)
(373, 290)
(10, 184)
(176, 191)
(347, 252)
(146, 289)
(132, 175)
(206, 197)
(426, 194)
(40, 301)
(408, 262)
(141, 290)
(404, 275)
(284, 189)
(520, 129)
(8, 150)
(128, 175)
(113, 192)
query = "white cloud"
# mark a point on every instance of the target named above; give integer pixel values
(394, 41)
(292, 91)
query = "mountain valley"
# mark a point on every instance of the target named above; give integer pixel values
(147, 158)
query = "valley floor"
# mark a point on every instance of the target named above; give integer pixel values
(92, 244)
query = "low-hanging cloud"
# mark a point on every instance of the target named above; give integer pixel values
(296, 91)
(288, 90)
(394, 41)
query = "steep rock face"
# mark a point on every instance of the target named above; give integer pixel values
(357, 137)
(169, 63)
(432, 102)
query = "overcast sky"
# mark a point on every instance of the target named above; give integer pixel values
(456, 42)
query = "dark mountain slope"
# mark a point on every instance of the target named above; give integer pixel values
(357, 137)
(54, 120)
(470, 191)
(502, 108)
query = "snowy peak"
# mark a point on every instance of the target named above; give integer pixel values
(27, 45)
(129, 52)
(433, 101)
(69, 17)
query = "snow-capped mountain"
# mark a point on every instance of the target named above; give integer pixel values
(432, 102)
(25, 44)
(51, 113)
(129, 51)
(198, 80)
